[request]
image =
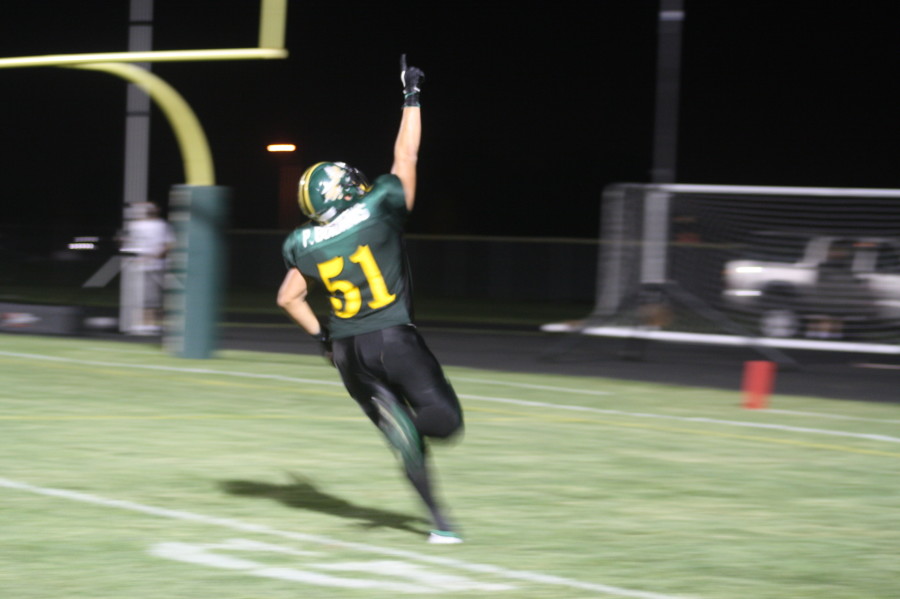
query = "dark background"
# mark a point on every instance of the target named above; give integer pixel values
(529, 109)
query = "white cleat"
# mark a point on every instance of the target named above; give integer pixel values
(444, 537)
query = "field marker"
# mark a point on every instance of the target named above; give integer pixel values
(759, 378)
(519, 402)
(520, 575)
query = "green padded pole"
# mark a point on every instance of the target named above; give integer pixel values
(195, 282)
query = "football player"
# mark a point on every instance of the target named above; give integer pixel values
(353, 246)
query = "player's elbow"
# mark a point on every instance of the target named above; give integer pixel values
(293, 289)
(284, 300)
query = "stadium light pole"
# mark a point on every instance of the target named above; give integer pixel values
(289, 171)
(654, 288)
(668, 76)
(137, 162)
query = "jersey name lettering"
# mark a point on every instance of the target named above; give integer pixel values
(347, 219)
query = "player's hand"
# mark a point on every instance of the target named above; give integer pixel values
(412, 78)
(325, 346)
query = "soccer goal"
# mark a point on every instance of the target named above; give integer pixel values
(773, 267)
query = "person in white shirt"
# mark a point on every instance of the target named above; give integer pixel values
(148, 239)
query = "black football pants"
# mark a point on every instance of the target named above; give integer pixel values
(395, 362)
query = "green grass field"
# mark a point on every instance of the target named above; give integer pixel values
(126, 473)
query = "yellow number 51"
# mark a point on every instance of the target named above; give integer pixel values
(349, 307)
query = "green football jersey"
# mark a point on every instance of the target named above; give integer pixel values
(360, 259)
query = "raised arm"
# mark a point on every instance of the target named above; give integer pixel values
(406, 146)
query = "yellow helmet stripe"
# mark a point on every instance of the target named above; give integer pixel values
(303, 191)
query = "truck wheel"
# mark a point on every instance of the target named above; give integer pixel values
(779, 322)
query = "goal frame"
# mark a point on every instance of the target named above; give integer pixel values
(626, 263)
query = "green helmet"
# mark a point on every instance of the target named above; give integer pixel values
(328, 188)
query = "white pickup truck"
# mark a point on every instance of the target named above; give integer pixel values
(785, 294)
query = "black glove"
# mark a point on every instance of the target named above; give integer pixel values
(324, 341)
(412, 78)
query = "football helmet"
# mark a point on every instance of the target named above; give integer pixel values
(328, 188)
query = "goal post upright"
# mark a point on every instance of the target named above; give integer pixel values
(196, 301)
(610, 282)
(655, 238)
(626, 209)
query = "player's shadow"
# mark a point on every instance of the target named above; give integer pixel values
(301, 493)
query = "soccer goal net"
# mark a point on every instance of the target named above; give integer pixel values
(784, 266)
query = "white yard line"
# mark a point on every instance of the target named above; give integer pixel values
(703, 419)
(878, 366)
(520, 402)
(529, 386)
(831, 416)
(249, 375)
(520, 575)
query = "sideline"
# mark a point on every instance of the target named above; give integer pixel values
(519, 402)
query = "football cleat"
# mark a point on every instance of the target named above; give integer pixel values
(444, 537)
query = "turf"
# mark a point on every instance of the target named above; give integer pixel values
(127, 473)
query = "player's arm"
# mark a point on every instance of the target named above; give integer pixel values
(292, 299)
(406, 146)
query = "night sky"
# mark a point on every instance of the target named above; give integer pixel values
(529, 109)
